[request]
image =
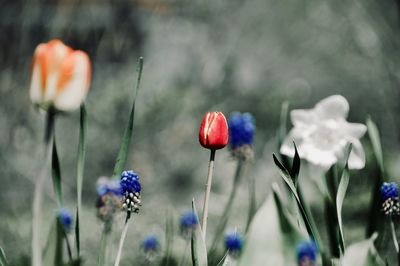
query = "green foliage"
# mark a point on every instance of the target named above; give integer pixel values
(53, 252)
(3, 259)
(56, 174)
(362, 254)
(344, 182)
(198, 246)
(272, 235)
(80, 171)
(126, 139)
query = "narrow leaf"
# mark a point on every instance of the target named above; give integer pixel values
(56, 174)
(80, 171)
(296, 166)
(126, 139)
(53, 253)
(374, 136)
(3, 259)
(198, 246)
(169, 237)
(102, 257)
(344, 182)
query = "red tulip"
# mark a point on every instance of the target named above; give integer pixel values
(213, 132)
(60, 76)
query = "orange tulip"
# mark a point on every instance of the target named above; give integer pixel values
(60, 76)
(213, 133)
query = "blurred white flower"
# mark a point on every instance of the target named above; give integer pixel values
(322, 134)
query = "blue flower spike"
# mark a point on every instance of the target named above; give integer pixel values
(307, 253)
(65, 219)
(390, 198)
(188, 223)
(109, 199)
(241, 134)
(233, 243)
(151, 246)
(130, 189)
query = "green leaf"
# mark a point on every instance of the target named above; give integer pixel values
(362, 254)
(344, 183)
(296, 166)
(169, 237)
(53, 253)
(308, 220)
(228, 261)
(80, 171)
(374, 136)
(3, 259)
(56, 174)
(198, 246)
(126, 139)
(271, 237)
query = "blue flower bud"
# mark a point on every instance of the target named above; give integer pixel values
(65, 219)
(306, 253)
(130, 189)
(188, 223)
(151, 244)
(241, 129)
(233, 243)
(390, 198)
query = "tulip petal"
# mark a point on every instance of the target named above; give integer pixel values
(37, 79)
(335, 106)
(74, 81)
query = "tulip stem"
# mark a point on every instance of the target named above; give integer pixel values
(38, 193)
(207, 195)
(121, 242)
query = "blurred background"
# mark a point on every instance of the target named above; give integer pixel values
(202, 55)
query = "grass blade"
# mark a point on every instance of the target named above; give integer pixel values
(376, 143)
(56, 175)
(3, 259)
(344, 183)
(126, 139)
(198, 246)
(80, 172)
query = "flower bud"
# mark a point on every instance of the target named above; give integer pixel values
(60, 76)
(213, 132)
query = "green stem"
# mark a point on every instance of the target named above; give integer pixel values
(182, 263)
(102, 259)
(207, 194)
(38, 193)
(121, 243)
(395, 242)
(227, 210)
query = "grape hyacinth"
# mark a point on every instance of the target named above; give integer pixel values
(188, 223)
(108, 199)
(307, 253)
(390, 198)
(130, 189)
(151, 246)
(65, 219)
(233, 243)
(241, 134)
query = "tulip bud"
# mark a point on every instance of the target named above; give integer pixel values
(213, 132)
(60, 76)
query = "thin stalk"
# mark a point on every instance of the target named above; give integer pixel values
(38, 193)
(207, 195)
(224, 218)
(121, 243)
(182, 263)
(102, 259)
(395, 242)
(68, 246)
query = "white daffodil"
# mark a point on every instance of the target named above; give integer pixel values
(322, 134)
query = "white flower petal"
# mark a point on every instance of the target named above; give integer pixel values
(355, 130)
(302, 117)
(35, 90)
(335, 106)
(357, 155)
(323, 158)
